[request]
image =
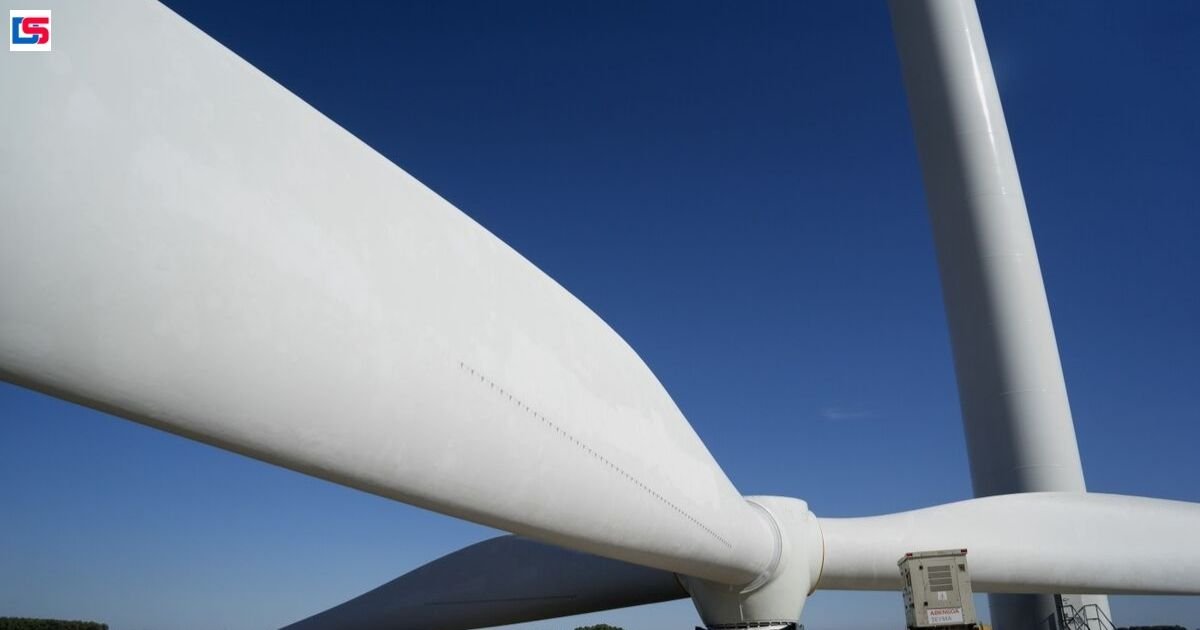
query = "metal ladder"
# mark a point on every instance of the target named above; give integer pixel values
(1086, 617)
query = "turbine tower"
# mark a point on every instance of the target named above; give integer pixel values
(194, 248)
(1020, 436)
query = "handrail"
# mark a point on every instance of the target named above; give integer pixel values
(1080, 619)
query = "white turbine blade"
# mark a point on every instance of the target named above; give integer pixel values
(499, 581)
(1043, 542)
(186, 244)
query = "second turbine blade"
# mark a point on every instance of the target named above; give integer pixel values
(499, 581)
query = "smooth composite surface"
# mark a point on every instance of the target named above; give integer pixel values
(1015, 408)
(1039, 542)
(82, 281)
(502, 580)
(218, 259)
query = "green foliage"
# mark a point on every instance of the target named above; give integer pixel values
(602, 626)
(19, 623)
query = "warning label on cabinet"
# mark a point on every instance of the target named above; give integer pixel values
(944, 615)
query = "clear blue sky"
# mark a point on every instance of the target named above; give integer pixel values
(734, 188)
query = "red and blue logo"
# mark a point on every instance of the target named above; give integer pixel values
(29, 30)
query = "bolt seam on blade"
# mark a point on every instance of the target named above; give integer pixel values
(553, 426)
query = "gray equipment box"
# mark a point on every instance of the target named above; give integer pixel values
(937, 589)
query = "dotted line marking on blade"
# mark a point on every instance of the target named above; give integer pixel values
(549, 424)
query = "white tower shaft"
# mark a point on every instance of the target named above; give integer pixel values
(1020, 436)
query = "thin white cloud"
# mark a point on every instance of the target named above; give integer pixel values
(846, 413)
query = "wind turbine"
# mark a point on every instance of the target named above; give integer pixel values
(222, 262)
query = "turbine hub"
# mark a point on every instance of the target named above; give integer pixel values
(776, 599)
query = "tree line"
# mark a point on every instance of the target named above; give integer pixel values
(22, 623)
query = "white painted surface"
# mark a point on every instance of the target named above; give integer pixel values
(782, 597)
(499, 581)
(1020, 434)
(1038, 542)
(193, 247)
